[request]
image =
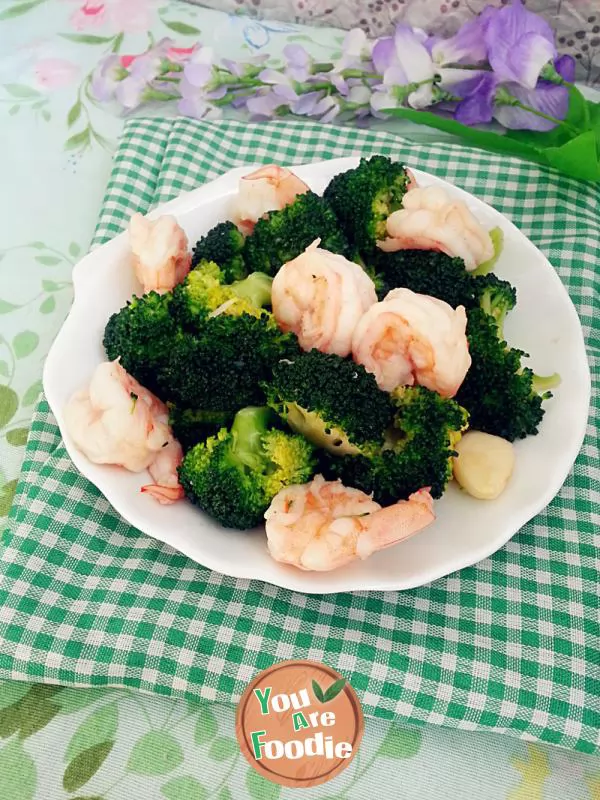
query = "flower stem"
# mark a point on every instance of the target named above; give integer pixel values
(554, 120)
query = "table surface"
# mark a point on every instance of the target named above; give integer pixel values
(55, 157)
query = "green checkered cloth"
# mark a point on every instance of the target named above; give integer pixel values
(511, 644)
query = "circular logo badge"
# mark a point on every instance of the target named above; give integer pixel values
(299, 723)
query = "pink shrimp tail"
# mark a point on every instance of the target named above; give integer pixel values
(166, 495)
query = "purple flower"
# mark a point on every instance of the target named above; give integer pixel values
(198, 71)
(466, 46)
(240, 69)
(479, 93)
(403, 59)
(547, 97)
(356, 48)
(565, 67)
(298, 62)
(106, 78)
(519, 44)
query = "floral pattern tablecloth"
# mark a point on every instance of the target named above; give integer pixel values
(57, 145)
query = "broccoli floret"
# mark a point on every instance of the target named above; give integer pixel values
(282, 235)
(223, 244)
(204, 292)
(332, 401)
(363, 198)
(191, 426)
(234, 475)
(496, 297)
(499, 393)
(417, 452)
(141, 335)
(222, 365)
(427, 272)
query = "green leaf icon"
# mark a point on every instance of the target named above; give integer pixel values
(184, 788)
(401, 743)
(318, 692)
(223, 748)
(97, 728)
(335, 688)
(18, 772)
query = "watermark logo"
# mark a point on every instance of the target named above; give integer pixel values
(299, 723)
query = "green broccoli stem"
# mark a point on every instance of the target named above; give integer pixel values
(256, 289)
(249, 426)
(541, 384)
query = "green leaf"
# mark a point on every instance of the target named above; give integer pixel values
(72, 700)
(118, 41)
(18, 775)
(85, 38)
(4, 369)
(48, 306)
(17, 437)
(223, 748)
(100, 726)
(37, 245)
(74, 113)
(577, 158)
(85, 766)
(48, 261)
(21, 90)
(32, 394)
(87, 797)
(9, 402)
(16, 11)
(80, 139)
(14, 110)
(6, 308)
(260, 788)
(25, 343)
(11, 692)
(46, 115)
(184, 788)
(156, 753)
(7, 492)
(299, 37)
(401, 743)
(224, 794)
(181, 27)
(206, 725)
(36, 713)
(318, 692)
(51, 286)
(74, 249)
(333, 691)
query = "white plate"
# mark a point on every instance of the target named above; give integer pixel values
(466, 530)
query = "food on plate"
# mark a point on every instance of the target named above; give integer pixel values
(223, 245)
(235, 474)
(117, 421)
(331, 401)
(483, 464)
(411, 338)
(282, 235)
(300, 373)
(416, 450)
(320, 296)
(159, 252)
(432, 220)
(324, 525)
(503, 397)
(269, 188)
(363, 199)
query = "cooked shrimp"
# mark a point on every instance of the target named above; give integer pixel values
(159, 251)
(321, 296)
(269, 188)
(432, 220)
(117, 421)
(324, 525)
(412, 338)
